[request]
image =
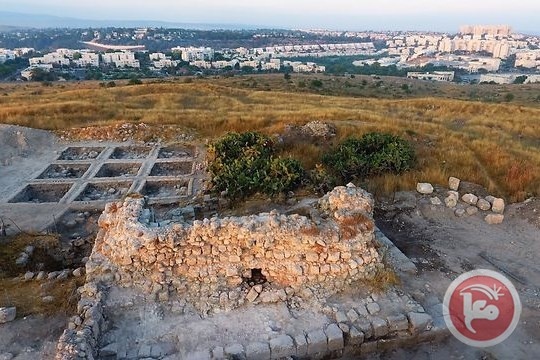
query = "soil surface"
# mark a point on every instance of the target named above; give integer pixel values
(443, 246)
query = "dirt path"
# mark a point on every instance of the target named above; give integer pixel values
(444, 246)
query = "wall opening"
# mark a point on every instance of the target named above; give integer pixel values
(256, 278)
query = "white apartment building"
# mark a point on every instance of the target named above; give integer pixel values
(87, 59)
(53, 58)
(434, 76)
(194, 54)
(121, 59)
(157, 56)
(498, 78)
(478, 31)
(528, 59)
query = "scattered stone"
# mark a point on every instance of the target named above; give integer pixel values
(470, 199)
(373, 308)
(419, 322)
(493, 219)
(53, 275)
(459, 212)
(490, 199)
(78, 272)
(453, 183)
(64, 274)
(7, 314)
(47, 299)
(454, 194)
(450, 201)
(498, 206)
(435, 201)
(28, 275)
(317, 342)
(252, 295)
(282, 346)
(483, 204)
(471, 210)
(22, 260)
(424, 188)
(41, 275)
(6, 356)
(258, 350)
(29, 250)
(335, 337)
(380, 327)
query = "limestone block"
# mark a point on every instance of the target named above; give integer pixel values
(301, 345)
(397, 322)
(453, 183)
(257, 351)
(373, 308)
(341, 317)
(483, 204)
(282, 346)
(419, 322)
(424, 188)
(450, 201)
(356, 337)
(498, 206)
(470, 199)
(459, 212)
(317, 342)
(435, 201)
(335, 337)
(7, 314)
(352, 315)
(493, 219)
(234, 350)
(471, 210)
(380, 327)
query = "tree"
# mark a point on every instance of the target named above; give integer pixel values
(520, 79)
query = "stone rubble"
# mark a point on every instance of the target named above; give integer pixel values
(469, 204)
(7, 314)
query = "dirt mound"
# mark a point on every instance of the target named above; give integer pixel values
(127, 132)
(22, 142)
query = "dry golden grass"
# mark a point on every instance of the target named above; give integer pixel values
(495, 145)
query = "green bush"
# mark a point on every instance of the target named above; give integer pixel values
(244, 164)
(372, 154)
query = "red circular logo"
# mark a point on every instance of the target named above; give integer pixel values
(481, 308)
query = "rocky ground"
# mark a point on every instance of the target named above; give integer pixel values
(444, 246)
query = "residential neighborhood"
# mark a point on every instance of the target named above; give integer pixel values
(476, 52)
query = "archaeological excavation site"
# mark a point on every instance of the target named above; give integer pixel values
(146, 262)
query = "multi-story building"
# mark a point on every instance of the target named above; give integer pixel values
(434, 76)
(121, 59)
(479, 31)
(195, 53)
(528, 59)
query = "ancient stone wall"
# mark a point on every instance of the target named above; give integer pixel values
(220, 263)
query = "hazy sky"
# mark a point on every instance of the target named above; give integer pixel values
(335, 14)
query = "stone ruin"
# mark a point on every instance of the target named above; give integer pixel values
(219, 264)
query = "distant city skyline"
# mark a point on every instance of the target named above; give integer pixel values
(338, 14)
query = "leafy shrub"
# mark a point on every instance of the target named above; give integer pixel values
(134, 81)
(316, 83)
(244, 164)
(372, 154)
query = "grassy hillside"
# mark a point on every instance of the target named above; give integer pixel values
(493, 144)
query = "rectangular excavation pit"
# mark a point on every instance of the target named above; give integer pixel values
(130, 152)
(64, 171)
(41, 193)
(172, 168)
(81, 153)
(104, 191)
(168, 188)
(118, 170)
(176, 151)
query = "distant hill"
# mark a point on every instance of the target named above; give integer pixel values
(11, 20)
